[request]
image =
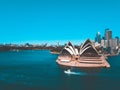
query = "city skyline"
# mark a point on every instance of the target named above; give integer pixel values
(97, 38)
(34, 21)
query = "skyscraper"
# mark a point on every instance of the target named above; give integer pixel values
(98, 37)
(117, 40)
(108, 34)
(113, 43)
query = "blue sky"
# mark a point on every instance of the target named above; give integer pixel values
(54, 20)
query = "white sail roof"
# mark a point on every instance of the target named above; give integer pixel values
(86, 45)
(71, 49)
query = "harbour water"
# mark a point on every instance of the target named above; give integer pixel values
(38, 70)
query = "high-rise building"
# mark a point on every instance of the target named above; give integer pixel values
(117, 40)
(106, 43)
(98, 37)
(103, 43)
(108, 36)
(113, 43)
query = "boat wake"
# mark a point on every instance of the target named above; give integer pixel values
(73, 72)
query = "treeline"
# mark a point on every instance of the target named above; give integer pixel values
(30, 47)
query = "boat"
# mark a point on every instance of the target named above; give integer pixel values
(67, 71)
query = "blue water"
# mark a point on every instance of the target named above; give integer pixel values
(37, 70)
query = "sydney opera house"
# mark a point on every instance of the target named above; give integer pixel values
(84, 56)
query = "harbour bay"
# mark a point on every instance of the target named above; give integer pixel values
(38, 70)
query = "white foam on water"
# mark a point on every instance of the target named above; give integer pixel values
(73, 72)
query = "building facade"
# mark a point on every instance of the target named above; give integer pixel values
(108, 34)
(98, 37)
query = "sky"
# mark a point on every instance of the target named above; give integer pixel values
(57, 20)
